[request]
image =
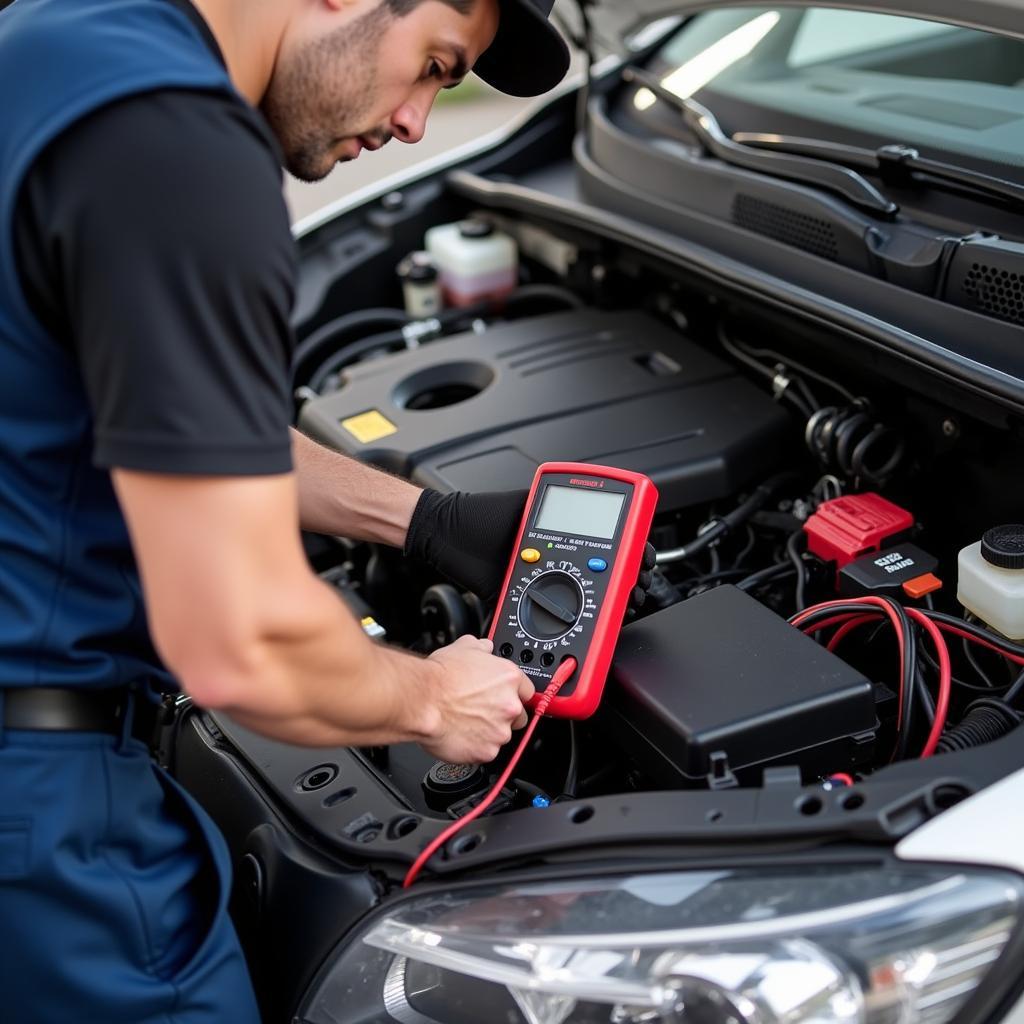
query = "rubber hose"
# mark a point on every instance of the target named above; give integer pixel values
(985, 720)
(330, 332)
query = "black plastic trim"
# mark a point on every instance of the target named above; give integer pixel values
(703, 193)
(897, 800)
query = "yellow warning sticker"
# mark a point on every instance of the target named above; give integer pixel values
(369, 426)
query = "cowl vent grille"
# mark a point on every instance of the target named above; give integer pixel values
(986, 275)
(812, 234)
(996, 292)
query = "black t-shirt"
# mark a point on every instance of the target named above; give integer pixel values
(153, 239)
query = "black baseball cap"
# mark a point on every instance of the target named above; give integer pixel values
(528, 55)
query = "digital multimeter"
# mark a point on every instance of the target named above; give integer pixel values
(577, 557)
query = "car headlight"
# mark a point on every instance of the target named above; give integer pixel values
(901, 945)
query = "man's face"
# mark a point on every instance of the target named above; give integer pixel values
(366, 76)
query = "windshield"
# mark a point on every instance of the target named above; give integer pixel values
(835, 74)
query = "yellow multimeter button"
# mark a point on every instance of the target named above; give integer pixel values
(369, 426)
(530, 555)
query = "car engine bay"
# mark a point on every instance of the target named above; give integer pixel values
(801, 672)
(787, 479)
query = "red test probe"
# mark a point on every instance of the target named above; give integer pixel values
(562, 675)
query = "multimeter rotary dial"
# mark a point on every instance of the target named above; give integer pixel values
(550, 605)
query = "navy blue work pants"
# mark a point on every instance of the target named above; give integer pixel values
(113, 891)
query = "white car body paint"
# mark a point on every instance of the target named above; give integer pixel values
(985, 829)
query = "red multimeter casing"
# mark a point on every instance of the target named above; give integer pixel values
(557, 598)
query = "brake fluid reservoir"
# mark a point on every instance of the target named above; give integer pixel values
(475, 260)
(990, 579)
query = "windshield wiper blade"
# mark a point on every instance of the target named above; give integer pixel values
(812, 171)
(896, 162)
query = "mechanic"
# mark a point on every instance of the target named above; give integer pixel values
(146, 280)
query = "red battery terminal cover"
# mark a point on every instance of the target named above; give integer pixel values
(845, 528)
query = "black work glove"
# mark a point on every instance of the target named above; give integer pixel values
(467, 537)
(646, 582)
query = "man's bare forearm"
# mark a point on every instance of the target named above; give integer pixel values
(262, 639)
(320, 684)
(340, 496)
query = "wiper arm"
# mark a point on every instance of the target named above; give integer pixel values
(896, 162)
(834, 177)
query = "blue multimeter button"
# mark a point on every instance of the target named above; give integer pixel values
(597, 565)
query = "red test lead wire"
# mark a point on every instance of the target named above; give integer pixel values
(562, 675)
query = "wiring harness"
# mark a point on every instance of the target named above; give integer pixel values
(921, 641)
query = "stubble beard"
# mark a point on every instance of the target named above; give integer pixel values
(324, 95)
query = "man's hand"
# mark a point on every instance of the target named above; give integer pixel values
(467, 537)
(479, 699)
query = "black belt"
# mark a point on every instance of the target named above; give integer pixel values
(71, 709)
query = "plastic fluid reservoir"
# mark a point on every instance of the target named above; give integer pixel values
(421, 285)
(990, 579)
(475, 260)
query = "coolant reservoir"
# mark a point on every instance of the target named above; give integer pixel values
(475, 260)
(990, 579)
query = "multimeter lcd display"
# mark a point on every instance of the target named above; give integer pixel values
(574, 510)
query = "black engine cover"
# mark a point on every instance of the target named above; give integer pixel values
(481, 412)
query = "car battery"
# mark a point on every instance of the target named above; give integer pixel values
(717, 688)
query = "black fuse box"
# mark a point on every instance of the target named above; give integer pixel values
(720, 685)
